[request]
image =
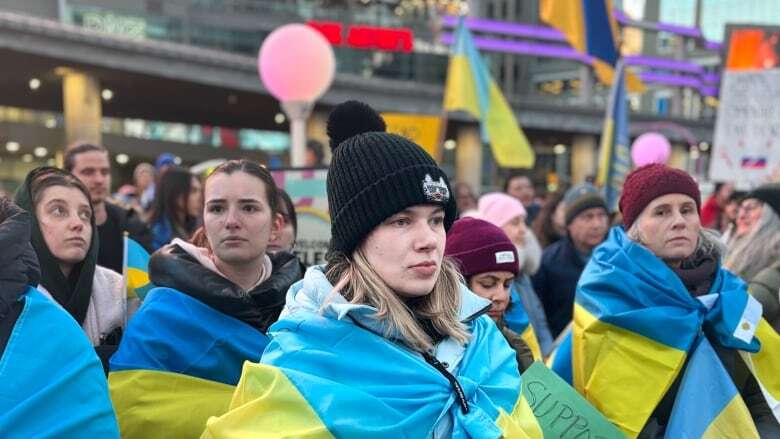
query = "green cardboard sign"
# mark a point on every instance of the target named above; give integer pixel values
(562, 412)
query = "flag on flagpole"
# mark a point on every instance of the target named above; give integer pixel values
(470, 88)
(136, 270)
(615, 157)
(591, 29)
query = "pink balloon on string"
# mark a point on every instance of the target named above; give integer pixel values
(296, 63)
(650, 148)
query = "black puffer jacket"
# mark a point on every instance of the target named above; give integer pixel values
(18, 266)
(173, 267)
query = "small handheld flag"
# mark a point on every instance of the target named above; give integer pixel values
(136, 270)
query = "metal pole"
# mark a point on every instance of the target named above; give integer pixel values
(298, 113)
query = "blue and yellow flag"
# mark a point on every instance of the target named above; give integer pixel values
(136, 270)
(51, 381)
(177, 365)
(322, 378)
(470, 88)
(615, 157)
(591, 29)
(721, 414)
(635, 325)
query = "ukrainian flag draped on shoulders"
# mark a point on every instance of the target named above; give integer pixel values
(330, 374)
(51, 381)
(637, 328)
(178, 364)
(470, 88)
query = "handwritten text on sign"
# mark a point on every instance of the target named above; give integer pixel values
(747, 133)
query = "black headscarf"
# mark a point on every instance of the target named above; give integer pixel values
(72, 292)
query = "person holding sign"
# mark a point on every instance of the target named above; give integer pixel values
(382, 341)
(662, 328)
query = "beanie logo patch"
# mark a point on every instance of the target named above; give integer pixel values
(436, 191)
(506, 257)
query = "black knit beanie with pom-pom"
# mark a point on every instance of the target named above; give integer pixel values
(374, 175)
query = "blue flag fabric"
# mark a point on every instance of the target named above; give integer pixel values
(615, 157)
(51, 381)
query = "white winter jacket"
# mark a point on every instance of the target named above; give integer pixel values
(107, 307)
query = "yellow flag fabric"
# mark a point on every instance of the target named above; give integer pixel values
(265, 393)
(470, 88)
(155, 404)
(422, 129)
(591, 29)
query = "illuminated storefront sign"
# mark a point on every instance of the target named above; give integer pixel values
(360, 36)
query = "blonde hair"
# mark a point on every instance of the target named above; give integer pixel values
(359, 283)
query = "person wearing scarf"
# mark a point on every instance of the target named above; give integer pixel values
(665, 342)
(384, 341)
(92, 294)
(51, 382)
(525, 314)
(488, 261)
(209, 313)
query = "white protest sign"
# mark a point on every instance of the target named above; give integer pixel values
(747, 133)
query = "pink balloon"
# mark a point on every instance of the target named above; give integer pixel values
(296, 63)
(650, 148)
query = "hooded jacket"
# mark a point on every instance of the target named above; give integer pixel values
(39, 339)
(182, 354)
(323, 346)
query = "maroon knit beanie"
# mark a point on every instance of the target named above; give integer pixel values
(648, 182)
(479, 247)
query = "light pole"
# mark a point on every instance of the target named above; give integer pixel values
(297, 65)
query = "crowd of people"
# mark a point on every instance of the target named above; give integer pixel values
(433, 301)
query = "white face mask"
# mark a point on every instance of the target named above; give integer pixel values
(529, 254)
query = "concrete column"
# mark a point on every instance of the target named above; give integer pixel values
(583, 157)
(586, 84)
(82, 107)
(468, 157)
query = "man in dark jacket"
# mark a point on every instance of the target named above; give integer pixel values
(563, 262)
(90, 164)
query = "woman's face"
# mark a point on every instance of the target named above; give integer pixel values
(195, 199)
(406, 250)
(237, 218)
(749, 215)
(64, 216)
(669, 226)
(493, 286)
(515, 229)
(285, 239)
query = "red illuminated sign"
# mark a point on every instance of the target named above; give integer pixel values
(360, 36)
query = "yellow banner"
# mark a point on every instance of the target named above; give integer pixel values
(422, 129)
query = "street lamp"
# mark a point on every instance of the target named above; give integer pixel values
(297, 65)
